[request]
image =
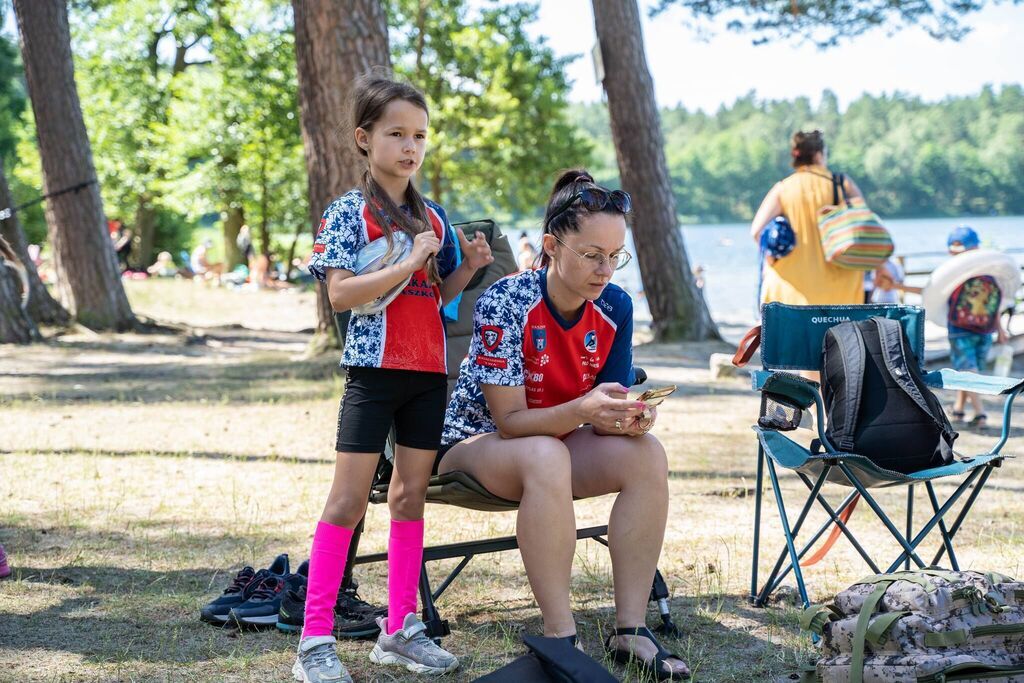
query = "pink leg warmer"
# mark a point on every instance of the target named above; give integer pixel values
(326, 567)
(405, 557)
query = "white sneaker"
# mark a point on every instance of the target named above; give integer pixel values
(318, 662)
(410, 647)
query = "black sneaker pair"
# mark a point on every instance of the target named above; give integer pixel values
(353, 616)
(242, 588)
(263, 605)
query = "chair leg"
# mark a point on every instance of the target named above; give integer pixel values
(923, 533)
(834, 516)
(947, 542)
(963, 512)
(789, 536)
(757, 522)
(779, 576)
(908, 547)
(771, 583)
(659, 595)
(437, 628)
(910, 519)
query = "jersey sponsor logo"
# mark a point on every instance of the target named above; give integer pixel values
(492, 362)
(319, 248)
(540, 338)
(590, 341)
(323, 222)
(605, 305)
(535, 376)
(491, 336)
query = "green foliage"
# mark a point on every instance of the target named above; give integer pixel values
(963, 155)
(233, 125)
(499, 110)
(826, 22)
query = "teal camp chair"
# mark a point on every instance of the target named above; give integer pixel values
(791, 340)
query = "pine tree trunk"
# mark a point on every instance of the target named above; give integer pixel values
(677, 306)
(42, 308)
(334, 43)
(88, 281)
(15, 325)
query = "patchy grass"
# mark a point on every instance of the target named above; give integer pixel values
(138, 472)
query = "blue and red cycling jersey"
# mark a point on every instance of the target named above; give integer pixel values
(409, 334)
(519, 339)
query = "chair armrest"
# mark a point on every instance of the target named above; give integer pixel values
(803, 392)
(970, 381)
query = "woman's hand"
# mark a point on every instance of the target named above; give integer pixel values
(643, 423)
(476, 253)
(608, 410)
(424, 245)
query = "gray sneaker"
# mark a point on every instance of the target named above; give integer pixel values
(410, 647)
(318, 662)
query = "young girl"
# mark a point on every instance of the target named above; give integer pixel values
(396, 374)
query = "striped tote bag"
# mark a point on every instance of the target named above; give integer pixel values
(852, 236)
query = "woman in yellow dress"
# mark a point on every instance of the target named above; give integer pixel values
(803, 277)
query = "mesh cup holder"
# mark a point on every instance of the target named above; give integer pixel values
(779, 414)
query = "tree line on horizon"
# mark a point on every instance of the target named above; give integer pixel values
(960, 156)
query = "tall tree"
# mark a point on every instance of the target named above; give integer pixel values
(678, 309)
(87, 275)
(42, 307)
(334, 43)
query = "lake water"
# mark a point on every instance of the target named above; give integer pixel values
(730, 258)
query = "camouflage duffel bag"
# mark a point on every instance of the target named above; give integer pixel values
(930, 625)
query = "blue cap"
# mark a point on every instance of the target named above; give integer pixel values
(965, 235)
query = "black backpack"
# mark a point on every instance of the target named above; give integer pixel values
(876, 400)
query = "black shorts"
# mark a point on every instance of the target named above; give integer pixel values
(375, 399)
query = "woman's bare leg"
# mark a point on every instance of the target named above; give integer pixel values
(535, 471)
(637, 469)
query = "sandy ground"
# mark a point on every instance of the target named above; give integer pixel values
(138, 472)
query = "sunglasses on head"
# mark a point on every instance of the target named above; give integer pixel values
(595, 199)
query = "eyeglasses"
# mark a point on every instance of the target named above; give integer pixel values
(596, 259)
(594, 199)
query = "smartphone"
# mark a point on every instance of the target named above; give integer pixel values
(654, 397)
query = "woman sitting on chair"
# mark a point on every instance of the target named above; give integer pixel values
(551, 351)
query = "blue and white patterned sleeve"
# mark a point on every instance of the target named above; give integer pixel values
(619, 366)
(340, 236)
(496, 350)
(450, 256)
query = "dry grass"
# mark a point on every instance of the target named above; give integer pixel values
(138, 472)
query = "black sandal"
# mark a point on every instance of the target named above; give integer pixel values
(655, 668)
(979, 421)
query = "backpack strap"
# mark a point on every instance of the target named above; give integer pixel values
(842, 188)
(850, 344)
(895, 353)
(835, 189)
(861, 631)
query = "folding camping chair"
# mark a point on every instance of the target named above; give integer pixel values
(791, 339)
(459, 488)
